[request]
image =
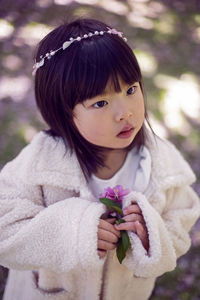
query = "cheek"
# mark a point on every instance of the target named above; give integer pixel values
(140, 109)
(89, 127)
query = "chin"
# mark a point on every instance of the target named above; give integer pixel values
(125, 145)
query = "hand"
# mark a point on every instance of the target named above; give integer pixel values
(135, 223)
(107, 236)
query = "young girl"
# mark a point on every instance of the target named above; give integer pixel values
(54, 233)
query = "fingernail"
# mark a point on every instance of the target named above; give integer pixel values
(137, 222)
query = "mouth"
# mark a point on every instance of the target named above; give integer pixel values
(126, 132)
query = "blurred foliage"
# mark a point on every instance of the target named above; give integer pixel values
(183, 282)
(165, 36)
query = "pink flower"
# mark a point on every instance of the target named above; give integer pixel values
(117, 193)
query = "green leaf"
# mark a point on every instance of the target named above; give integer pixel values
(120, 221)
(112, 204)
(108, 201)
(125, 240)
(120, 251)
(123, 245)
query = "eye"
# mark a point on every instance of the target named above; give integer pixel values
(100, 104)
(132, 90)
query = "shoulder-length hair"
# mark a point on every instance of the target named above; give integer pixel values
(78, 73)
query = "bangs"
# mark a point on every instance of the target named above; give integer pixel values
(97, 61)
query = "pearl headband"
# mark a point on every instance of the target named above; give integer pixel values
(66, 44)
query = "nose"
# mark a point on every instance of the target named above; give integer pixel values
(122, 113)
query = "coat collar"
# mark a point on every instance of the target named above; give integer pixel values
(169, 168)
(51, 164)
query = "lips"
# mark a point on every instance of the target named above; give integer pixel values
(126, 131)
(126, 128)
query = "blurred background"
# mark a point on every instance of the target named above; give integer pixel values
(165, 36)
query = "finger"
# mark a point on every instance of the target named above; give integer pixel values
(133, 217)
(107, 236)
(140, 230)
(102, 253)
(110, 220)
(103, 245)
(126, 226)
(142, 234)
(109, 227)
(134, 208)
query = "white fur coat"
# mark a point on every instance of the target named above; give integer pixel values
(48, 226)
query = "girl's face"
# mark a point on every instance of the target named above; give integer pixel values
(112, 119)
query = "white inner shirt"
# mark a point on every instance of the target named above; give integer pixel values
(134, 174)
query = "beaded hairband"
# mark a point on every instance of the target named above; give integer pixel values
(66, 44)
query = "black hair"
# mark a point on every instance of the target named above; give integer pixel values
(78, 73)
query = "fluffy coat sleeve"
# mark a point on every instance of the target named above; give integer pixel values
(57, 237)
(168, 228)
(168, 233)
